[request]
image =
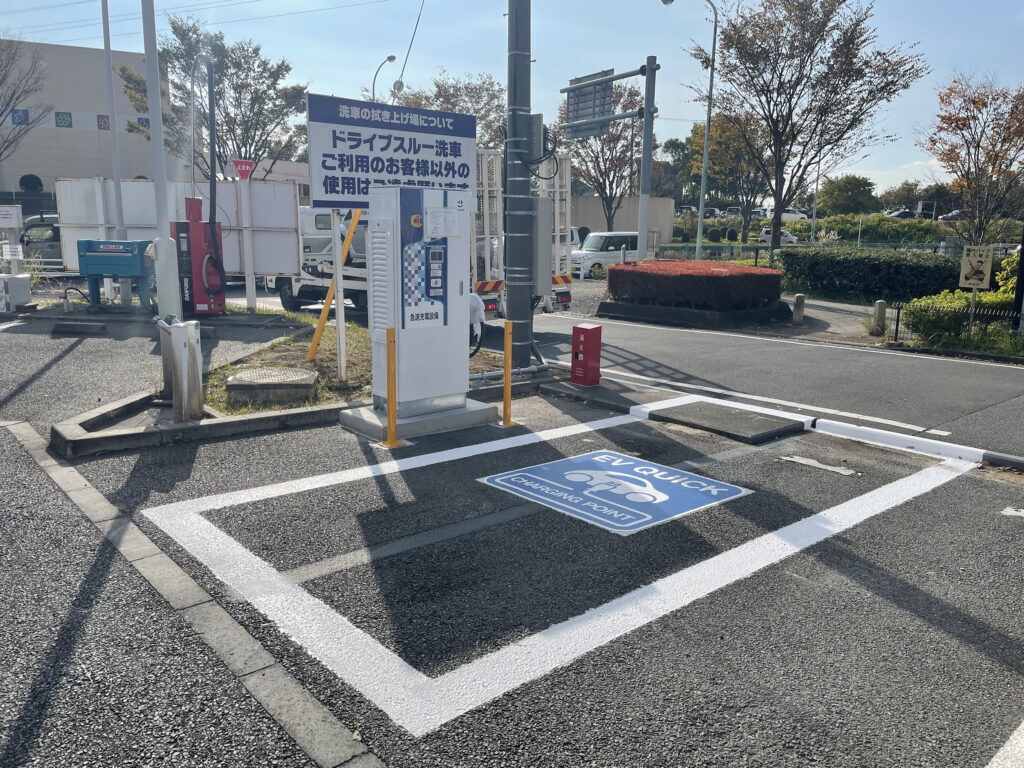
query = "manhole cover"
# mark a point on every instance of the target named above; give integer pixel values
(274, 376)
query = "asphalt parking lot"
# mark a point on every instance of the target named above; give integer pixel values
(858, 606)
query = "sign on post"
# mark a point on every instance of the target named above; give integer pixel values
(356, 144)
(976, 267)
(589, 103)
(243, 167)
(620, 493)
(10, 217)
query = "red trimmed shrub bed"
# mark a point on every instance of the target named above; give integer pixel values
(704, 285)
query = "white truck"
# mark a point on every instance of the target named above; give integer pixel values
(488, 262)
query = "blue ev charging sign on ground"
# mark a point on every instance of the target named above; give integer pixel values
(619, 493)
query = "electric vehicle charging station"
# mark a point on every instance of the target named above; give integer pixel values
(419, 285)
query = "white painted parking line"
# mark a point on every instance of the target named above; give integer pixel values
(939, 432)
(612, 373)
(249, 495)
(1012, 753)
(421, 704)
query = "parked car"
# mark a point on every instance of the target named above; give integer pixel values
(759, 213)
(733, 210)
(40, 236)
(602, 249)
(786, 238)
(685, 210)
(901, 214)
(712, 213)
(788, 214)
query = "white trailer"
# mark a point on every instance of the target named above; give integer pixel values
(488, 264)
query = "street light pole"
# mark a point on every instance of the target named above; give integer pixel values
(707, 133)
(707, 138)
(373, 86)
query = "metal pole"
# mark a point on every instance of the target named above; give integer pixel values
(373, 85)
(115, 156)
(1018, 293)
(814, 214)
(643, 217)
(340, 346)
(707, 137)
(167, 285)
(518, 207)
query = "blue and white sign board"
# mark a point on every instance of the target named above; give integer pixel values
(619, 493)
(356, 144)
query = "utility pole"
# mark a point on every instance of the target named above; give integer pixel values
(518, 204)
(643, 217)
(166, 267)
(115, 155)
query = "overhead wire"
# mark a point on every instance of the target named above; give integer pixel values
(247, 18)
(122, 17)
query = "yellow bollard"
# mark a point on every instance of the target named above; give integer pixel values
(392, 441)
(506, 420)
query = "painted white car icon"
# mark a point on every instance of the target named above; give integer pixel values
(633, 488)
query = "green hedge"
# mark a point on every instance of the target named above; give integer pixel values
(942, 321)
(872, 272)
(707, 285)
(877, 228)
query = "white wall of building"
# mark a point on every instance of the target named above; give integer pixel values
(588, 212)
(76, 90)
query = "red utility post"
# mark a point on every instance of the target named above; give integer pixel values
(586, 354)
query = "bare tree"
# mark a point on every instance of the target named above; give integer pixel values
(978, 137)
(810, 71)
(254, 107)
(481, 96)
(607, 164)
(22, 76)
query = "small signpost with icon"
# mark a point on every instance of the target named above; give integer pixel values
(976, 274)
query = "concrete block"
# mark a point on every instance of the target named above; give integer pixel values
(79, 329)
(239, 650)
(132, 543)
(305, 719)
(746, 426)
(272, 385)
(93, 504)
(798, 309)
(175, 586)
(374, 424)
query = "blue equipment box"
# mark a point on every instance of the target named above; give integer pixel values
(113, 258)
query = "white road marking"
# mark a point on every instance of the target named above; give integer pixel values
(421, 704)
(1012, 753)
(12, 324)
(817, 344)
(249, 495)
(939, 432)
(818, 465)
(613, 372)
(1012, 512)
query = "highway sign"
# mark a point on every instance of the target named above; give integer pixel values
(620, 493)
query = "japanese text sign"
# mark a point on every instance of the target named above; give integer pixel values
(976, 267)
(244, 167)
(356, 144)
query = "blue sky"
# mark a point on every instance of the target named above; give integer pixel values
(335, 46)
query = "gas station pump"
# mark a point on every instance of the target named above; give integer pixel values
(200, 268)
(420, 285)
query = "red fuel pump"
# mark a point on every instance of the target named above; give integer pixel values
(200, 269)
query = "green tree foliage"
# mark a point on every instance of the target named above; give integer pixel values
(812, 74)
(479, 95)
(978, 137)
(877, 228)
(734, 174)
(900, 197)
(848, 194)
(254, 107)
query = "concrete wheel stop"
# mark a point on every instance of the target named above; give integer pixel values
(279, 385)
(736, 423)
